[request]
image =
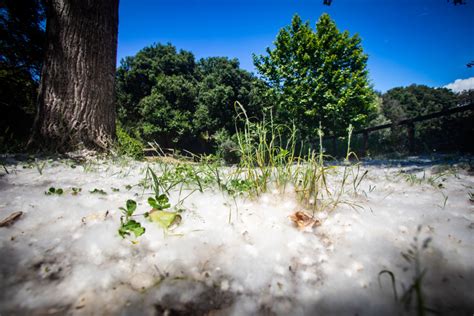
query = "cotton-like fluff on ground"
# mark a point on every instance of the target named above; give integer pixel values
(406, 235)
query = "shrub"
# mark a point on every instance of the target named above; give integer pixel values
(128, 145)
(227, 147)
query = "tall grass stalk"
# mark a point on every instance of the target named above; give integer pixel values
(269, 160)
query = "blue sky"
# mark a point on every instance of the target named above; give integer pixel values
(408, 41)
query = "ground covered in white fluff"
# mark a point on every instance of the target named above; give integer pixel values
(64, 255)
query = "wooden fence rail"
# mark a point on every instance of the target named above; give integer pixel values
(410, 123)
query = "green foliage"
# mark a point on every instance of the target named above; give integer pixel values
(227, 147)
(98, 191)
(183, 176)
(21, 52)
(54, 191)
(127, 145)
(159, 202)
(412, 298)
(269, 161)
(452, 132)
(222, 83)
(415, 100)
(318, 76)
(131, 207)
(156, 93)
(164, 95)
(158, 214)
(238, 187)
(166, 114)
(131, 226)
(127, 225)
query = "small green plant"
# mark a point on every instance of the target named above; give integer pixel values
(269, 160)
(445, 200)
(54, 191)
(164, 218)
(412, 257)
(160, 202)
(39, 166)
(238, 187)
(181, 176)
(435, 181)
(128, 225)
(411, 178)
(115, 189)
(227, 147)
(127, 145)
(98, 191)
(158, 213)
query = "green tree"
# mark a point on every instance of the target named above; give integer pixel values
(21, 52)
(318, 76)
(415, 100)
(165, 96)
(166, 114)
(451, 132)
(222, 82)
(156, 94)
(137, 75)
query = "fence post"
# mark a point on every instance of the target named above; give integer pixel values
(411, 137)
(365, 148)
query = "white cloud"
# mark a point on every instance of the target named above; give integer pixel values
(461, 84)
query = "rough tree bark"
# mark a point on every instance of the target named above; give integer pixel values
(76, 106)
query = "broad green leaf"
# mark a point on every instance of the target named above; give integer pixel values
(131, 226)
(163, 202)
(131, 207)
(164, 219)
(124, 211)
(152, 202)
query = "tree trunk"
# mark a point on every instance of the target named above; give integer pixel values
(76, 105)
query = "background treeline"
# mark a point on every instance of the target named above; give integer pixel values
(22, 34)
(450, 133)
(447, 134)
(164, 95)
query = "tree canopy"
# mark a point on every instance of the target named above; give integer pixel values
(21, 55)
(318, 76)
(165, 95)
(446, 133)
(415, 100)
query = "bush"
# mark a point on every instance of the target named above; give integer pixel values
(127, 145)
(227, 147)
